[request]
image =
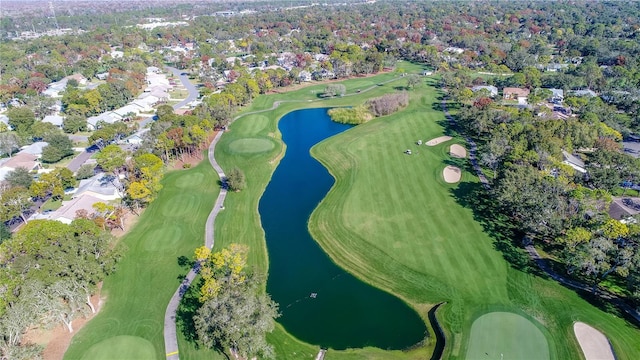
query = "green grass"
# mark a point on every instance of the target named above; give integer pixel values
(500, 335)
(121, 347)
(390, 220)
(138, 293)
(51, 205)
(251, 145)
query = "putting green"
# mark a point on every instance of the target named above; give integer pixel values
(121, 347)
(503, 335)
(251, 145)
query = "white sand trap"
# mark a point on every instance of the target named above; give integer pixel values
(451, 174)
(458, 151)
(594, 344)
(438, 140)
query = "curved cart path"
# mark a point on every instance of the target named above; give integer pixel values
(170, 338)
(533, 253)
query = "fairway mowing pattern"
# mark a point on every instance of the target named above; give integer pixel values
(506, 336)
(138, 292)
(248, 146)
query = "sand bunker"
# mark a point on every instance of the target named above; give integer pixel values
(438, 140)
(458, 151)
(594, 344)
(451, 174)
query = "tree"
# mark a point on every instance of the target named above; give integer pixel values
(43, 130)
(85, 171)
(238, 319)
(47, 184)
(21, 120)
(74, 123)
(413, 80)
(19, 177)
(9, 142)
(236, 180)
(335, 90)
(600, 257)
(15, 202)
(235, 313)
(111, 158)
(60, 146)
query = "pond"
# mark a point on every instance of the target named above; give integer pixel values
(321, 303)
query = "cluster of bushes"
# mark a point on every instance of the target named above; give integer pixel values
(380, 106)
(388, 104)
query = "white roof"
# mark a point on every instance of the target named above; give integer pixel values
(35, 148)
(53, 119)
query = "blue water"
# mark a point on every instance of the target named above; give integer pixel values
(321, 303)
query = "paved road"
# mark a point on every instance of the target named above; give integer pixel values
(193, 93)
(75, 164)
(170, 338)
(533, 253)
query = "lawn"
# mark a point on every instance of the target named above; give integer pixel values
(499, 335)
(138, 293)
(390, 219)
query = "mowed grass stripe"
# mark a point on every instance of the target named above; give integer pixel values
(138, 293)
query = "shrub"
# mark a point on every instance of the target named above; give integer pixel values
(353, 116)
(186, 166)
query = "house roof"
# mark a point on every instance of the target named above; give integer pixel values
(492, 89)
(22, 159)
(515, 91)
(556, 92)
(99, 185)
(574, 161)
(35, 148)
(69, 208)
(53, 119)
(586, 92)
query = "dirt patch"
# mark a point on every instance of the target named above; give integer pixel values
(458, 151)
(593, 343)
(451, 174)
(57, 340)
(130, 219)
(438, 140)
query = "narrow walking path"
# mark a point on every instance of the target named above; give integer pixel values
(170, 336)
(533, 253)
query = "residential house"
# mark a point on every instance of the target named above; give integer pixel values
(304, 76)
(573, 161)
(557, 95)
(515, 94)
(21, 159)
(102, 186)
(102, 76)
(5, 120)
(35, 148)
(55, 120)
(493, 91)
(107, 117)
(587, 92)
(555, 67)
(77, 77)
(55, 88)
(69, 209)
